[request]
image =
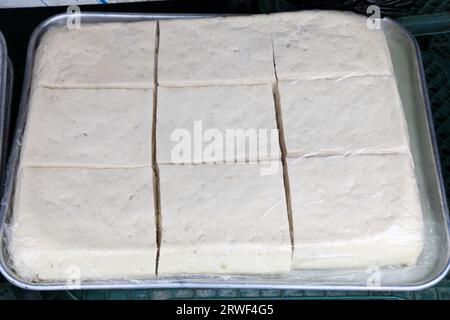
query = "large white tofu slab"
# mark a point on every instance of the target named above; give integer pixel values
(353, 115)
(104, 55)
(223, 219)
(209, 51)
(327, 44)
(217, 124)
(355, 212)
(85, 127)
(97, 224)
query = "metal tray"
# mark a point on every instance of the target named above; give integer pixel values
(434, 261)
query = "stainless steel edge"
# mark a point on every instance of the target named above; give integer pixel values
(3, 67)
(4, 90)
(159, 283)
(438, 170)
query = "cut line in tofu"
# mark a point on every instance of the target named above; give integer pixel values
(356, 115)
(328, 44)
(223, 219)
(213, 51)
(100, 55)
(88, 128)
(217, 124)
(355, 211)
(91, 224)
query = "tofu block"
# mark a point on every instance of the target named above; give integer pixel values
(102, 55)
(327, 44)
(355, 212)
(231, 50)
(217, 124)
(350, 116)
(223, 219)
(97, 224)
(85, 127)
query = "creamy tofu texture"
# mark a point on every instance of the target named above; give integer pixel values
(223, 219)
(216, 124)
(355, 211)
(85, 192)
(304, 45)
(104, 55)
(315, 44)
(86, 127)
(95, 223)
(240, 49)
(356, 115)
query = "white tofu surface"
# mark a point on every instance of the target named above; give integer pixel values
(85, 127)
(104, 55)
(223, 219)
(327, 44)
(353, 115)
(355, 211)
(95, 223)
(204, 121)
(232, 50)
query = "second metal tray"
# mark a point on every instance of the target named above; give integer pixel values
(433, 263)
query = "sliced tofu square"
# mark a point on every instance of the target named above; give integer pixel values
(93, 224)
(217, 124)
(101, 55)
(316, 44)
(355, 212)
(84, 127)
(224, 50)
(223, 219)
(354, 115)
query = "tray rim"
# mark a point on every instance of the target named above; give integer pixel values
(5, 91)
(174, 284)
